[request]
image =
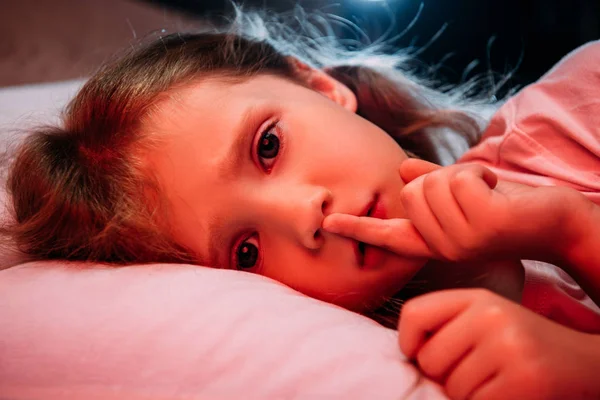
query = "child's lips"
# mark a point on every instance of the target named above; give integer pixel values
(368, 256)
(377, 210)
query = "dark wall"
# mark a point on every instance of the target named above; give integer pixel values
(533, 34)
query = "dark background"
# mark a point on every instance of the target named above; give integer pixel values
(530, 34)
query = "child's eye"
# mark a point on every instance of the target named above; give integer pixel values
(268, 147)
(246, 254)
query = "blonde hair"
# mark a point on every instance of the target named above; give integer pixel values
(79, 190)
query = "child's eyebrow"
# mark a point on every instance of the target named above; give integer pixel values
(229, 167)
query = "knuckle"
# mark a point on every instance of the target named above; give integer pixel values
(464, 247)
(408, 195)
(410, 311)
(514, 344)
(470, 245)
(431, 181)
(520, 344)
(461, 249)
(451, 253)
(475, 168)
(455, 387)
(387, 228)
(386, 233)
(493, 315)
(427, 363)
(459, 386)
(466, 243)
(460, 178)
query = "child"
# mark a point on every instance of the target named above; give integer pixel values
(224, 150)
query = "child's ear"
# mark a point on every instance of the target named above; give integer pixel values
(325, 84)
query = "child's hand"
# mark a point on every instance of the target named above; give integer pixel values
(462, 213)
(479, 345)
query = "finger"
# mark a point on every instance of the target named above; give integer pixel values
(496, 388)
(473, 188)
(424, 315)
(448, 346)
(475, 370)
(396, 235)
(412, 168)
(443, 205)
(419, 213)
(484, 173)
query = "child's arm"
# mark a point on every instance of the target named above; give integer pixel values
(479, 345)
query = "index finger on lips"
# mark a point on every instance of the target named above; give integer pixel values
(397, 235)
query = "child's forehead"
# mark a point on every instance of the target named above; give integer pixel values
(214, 97)
(205, 92)
(209, 106)
(216, 101)
(215, 89)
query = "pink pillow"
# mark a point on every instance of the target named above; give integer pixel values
(77, 331)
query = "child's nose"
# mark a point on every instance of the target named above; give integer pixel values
(301, 212)
(316, 208)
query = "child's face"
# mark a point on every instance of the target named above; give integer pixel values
(260, 208)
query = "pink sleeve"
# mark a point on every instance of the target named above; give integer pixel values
(551, 292)
(549, 133)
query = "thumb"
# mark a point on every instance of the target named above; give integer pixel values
(413, 168)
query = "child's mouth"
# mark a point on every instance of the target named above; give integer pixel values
(369, 256)
(361, 248)
(362, 245)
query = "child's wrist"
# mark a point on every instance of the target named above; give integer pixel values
(581, 231)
